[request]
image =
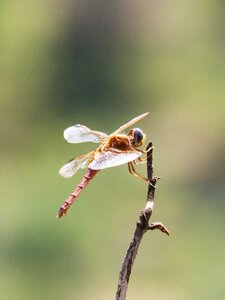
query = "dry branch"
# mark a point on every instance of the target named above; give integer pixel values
(141, 227)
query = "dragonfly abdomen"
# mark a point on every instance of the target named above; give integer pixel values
(76, 192)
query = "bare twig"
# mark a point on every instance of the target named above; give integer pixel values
(141, 227)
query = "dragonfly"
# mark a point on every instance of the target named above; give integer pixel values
(114, 150)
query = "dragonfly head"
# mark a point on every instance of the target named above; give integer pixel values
(137, 137)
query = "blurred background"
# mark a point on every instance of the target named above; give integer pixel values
(100, 64)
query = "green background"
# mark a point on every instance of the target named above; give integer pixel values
(101, 63)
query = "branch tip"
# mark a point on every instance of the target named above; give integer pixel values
(159, 226)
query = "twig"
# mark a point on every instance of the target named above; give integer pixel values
(142, 226)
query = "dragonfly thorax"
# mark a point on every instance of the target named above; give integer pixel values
(120, 142)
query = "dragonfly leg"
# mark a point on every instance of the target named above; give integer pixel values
(139, 161)
(144, 151)
(133, 172)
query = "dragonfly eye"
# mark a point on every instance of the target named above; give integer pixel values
(138, 137)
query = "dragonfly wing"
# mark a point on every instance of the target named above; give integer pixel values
(130, 123)
(70, 168)
(80, 134)
(112, 158)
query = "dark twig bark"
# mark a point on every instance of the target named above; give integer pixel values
(142, 226)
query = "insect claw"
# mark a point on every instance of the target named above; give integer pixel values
(149, 149)
(152, 183)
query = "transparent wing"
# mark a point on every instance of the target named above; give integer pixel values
(69, 169)
(130, 123)
(112, 158)
(80, 134)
